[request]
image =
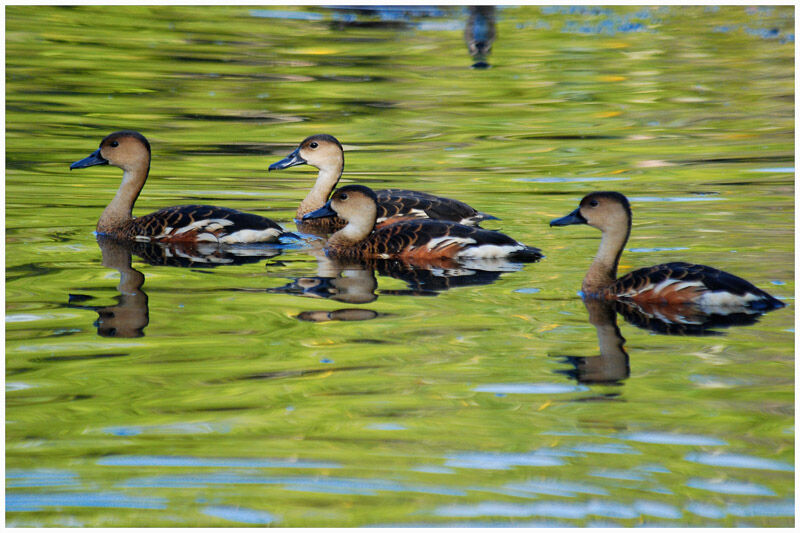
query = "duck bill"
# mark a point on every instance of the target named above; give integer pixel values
(322, 212)
(291, 160)
(573, 218)
(92, 160)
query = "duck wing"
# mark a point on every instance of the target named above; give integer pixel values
(204, 223)
(404, 204)
(679, 282)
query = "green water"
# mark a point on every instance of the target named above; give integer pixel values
(284, 391)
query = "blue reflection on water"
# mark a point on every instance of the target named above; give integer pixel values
(653, 437)
(169, 460)
(40, 478)
(606, 448)
(306, 484)
(386, 427)
(568, 180)
(774, 169)
(239, 514)
(504, 461)
(553, 509)
(727, 486)
(285, 15)
(738, 461)
(530, 388)
(555, 487)
(662, 249)
(674, 199)
(36, 502)
(625, 475)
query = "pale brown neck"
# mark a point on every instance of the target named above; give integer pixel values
(120, 209)
(357, 229)
(612, 363)
(327, 179)
(603, 271)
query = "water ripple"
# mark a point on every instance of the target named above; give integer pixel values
(738, 461)
(504, 461)
(239, 514)
(727, 486)
(168, 460)
(530, 388)
(37, 502)
(678, 439)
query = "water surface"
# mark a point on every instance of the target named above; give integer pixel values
(146, 388)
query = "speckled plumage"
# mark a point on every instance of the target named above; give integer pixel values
(130, 151)
(669, 283)
(325, 153)
(191, 223)
(423, 240)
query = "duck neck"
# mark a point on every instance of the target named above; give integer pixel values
(120, 209)
(356, 230)
(603, 271)
(327, 178)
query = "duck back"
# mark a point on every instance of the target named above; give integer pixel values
(430, 240)
(199, 223)
(679, 283)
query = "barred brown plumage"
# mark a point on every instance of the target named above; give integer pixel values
(423, 240)
(326, 154)
(669, 283)
(130, 151)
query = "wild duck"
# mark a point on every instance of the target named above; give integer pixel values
(669, 283)
(326, 154)
(130, 151)
(408, 240)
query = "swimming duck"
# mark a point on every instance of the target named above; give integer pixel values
(130, 151)
(409, 240)
(326, 154)
(670, 283)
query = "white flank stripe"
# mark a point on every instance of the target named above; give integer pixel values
(687, 284)
(200, 224)
(663, 285)
(487, 251)
(726, 299)
(443, 242)
(251, 235)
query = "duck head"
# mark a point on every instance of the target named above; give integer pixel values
(321, 151)
(356, 204)
(125, 149)
(602, 210)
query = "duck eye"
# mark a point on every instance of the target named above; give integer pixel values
(314, 144)
(594, 203)
(343, 196)
(114, 144)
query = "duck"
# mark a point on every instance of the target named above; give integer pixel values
(130, 151)
(325, 152)
(425, 240)
(669, 283)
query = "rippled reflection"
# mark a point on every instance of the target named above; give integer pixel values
(130, 315)
(479, 34)
(612, 365)
(355, 282)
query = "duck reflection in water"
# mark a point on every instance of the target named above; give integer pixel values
(129, 317)
(479, 34)
(612, 366)
(353, 281)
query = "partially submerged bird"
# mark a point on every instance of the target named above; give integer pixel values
(669, 283)
(326, 154)
(130, 151)
(479, 34)
(409, 240)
